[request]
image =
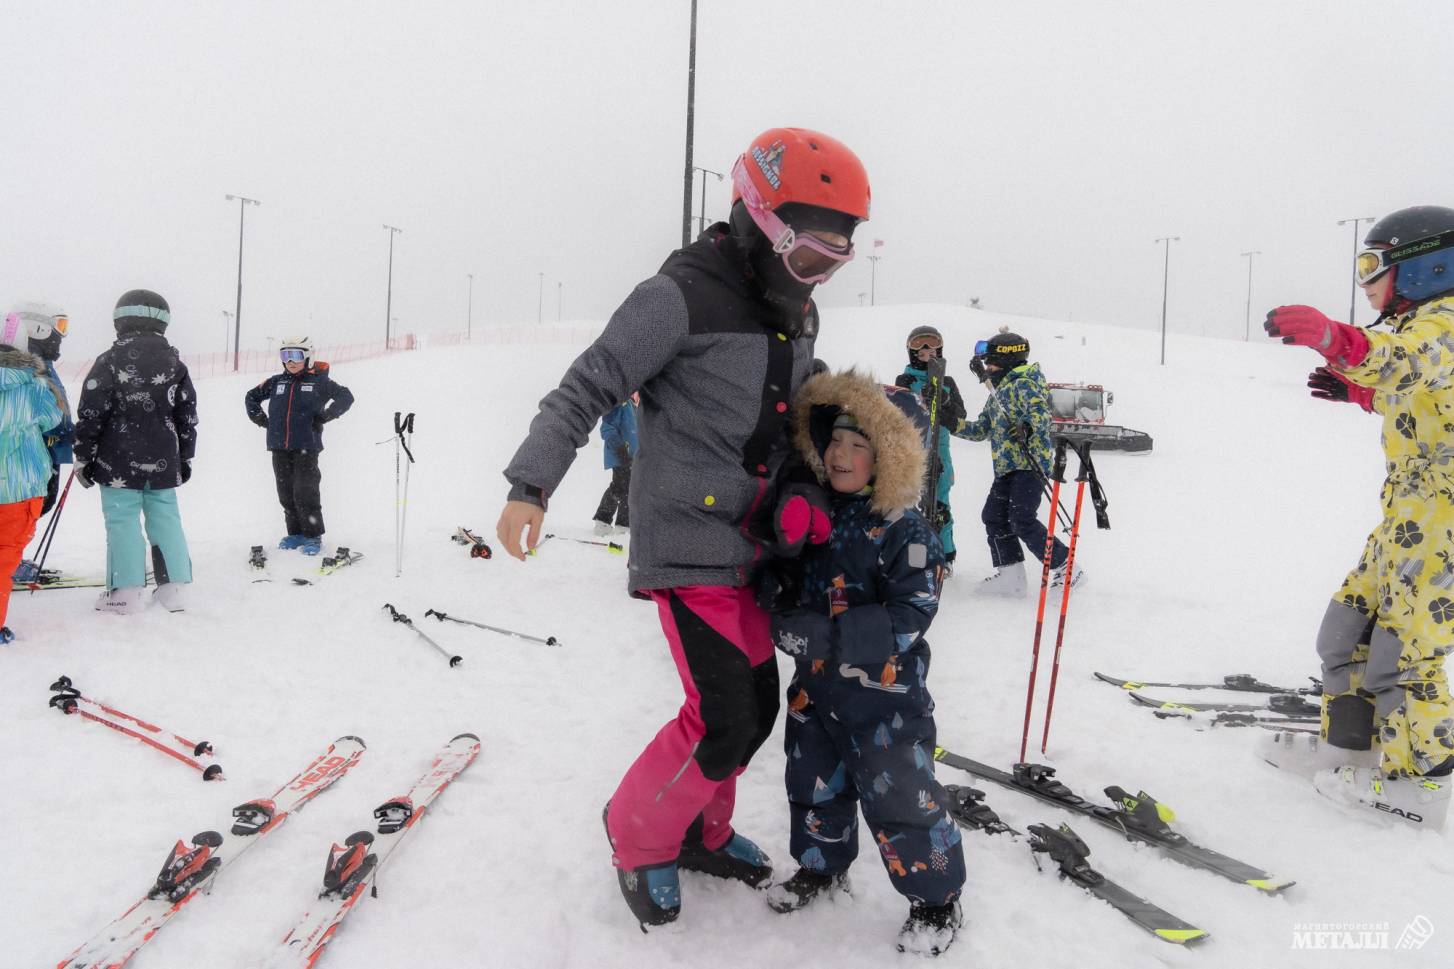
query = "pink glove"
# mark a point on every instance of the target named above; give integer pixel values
(1341, 344)
(1328, 384)
(801, 516)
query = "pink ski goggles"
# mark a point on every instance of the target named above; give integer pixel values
(809, 259)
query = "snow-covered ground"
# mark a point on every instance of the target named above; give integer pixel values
(1227, 541)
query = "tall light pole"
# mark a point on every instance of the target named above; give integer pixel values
(540, 300)
(226, 329)
(1353, 290)
(559, 290)
(691, 109)
(1165, 279)
(470, 313)
(1255, 252)
(873, 258)
(242, 204)
(702, 219)
(389, 298)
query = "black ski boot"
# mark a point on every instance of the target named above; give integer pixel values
(802, 888)
(739, 858)
(652, 892)
(930, 929)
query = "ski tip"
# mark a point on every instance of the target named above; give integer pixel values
(1118, 681)
(465, 736)
(1183, 936)
(1272, 886)
(351, 737)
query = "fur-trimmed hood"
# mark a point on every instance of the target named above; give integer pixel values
(899, 460)
(13, 359)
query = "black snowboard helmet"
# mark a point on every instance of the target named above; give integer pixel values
(141, 309)
(1006, 351)
(1417, 245)
(921, 337)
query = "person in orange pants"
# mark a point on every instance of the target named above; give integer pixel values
(29, 406)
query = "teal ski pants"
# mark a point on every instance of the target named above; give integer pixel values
(124, 509)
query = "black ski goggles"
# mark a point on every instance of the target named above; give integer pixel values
(1372, 263)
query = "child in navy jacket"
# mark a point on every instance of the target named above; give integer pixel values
(860, 729)
(300, 401)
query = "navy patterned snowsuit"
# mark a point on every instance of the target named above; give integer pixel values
(860, 726)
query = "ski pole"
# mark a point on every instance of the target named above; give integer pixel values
(400, 617)
(614, 548)
(48, 536)
(442, 616)
(402, 425)
(1058, 474)
(1082, 451)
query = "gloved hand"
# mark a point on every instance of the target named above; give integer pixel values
(623, 456)
(186, 471)
(1328, 384)
(260, 421)
(1341, 344)
(83, 475)
(802, 634)
(318, 421)
(976, 367)
(801, 516)
(780, 585)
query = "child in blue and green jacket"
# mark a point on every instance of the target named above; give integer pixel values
(1016, 420)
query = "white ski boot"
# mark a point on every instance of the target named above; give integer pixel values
(1305, 754)
(1007, 581)
(1421, 801)
(172, 596)
(123, 602)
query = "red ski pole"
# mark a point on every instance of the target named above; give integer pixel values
(1058, 474)
(1081, 477)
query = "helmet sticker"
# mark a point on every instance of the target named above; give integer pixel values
(769, 162)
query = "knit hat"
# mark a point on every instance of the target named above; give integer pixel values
(848, 422)
(141, 309)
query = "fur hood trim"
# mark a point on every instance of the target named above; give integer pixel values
(900, 461)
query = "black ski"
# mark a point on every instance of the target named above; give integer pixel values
(1064, 847)
(1228, 718)
(929, 501)
(1239, 682)
(967, 807)
(1283, 704)
(1139, 818)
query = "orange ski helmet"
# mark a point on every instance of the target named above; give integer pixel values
(807, 167)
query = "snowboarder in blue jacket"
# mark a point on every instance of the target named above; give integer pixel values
(300, 401)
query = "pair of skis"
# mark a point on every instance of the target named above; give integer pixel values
(1138, 818)
(197, 755)
(257, 561)
(351, 869)
(1284, 708)
(1064, 847)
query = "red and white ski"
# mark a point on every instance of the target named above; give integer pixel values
(353, 865)
(189, 869)
(194, 754)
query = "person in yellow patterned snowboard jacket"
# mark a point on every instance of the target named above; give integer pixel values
(1390, 626)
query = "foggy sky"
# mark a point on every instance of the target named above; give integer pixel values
(1025, 154)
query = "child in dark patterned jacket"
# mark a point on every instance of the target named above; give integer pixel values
(860, 729)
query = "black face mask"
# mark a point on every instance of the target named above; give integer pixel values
(791, 298)
(49, 348)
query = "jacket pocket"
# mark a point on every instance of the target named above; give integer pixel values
(697, 520)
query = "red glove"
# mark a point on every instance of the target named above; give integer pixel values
(801, 516)
(1343, 345)
(1328, 384)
